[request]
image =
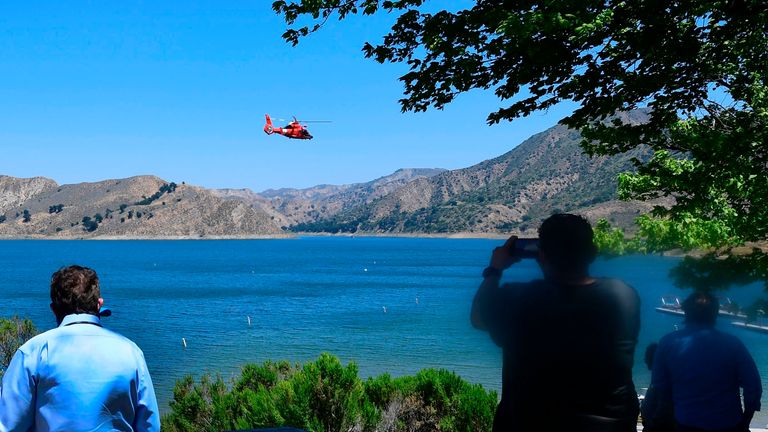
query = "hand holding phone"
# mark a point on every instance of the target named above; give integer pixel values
(514, 250)
(503, 256)
(526, 248)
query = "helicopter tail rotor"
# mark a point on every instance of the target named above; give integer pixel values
(268, 128)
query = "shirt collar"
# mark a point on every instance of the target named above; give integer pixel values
(80, 318)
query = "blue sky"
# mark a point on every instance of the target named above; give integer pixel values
(91, 90)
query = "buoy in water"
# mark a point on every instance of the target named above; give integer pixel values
(384, 308)
(249, 321)
(184, 342)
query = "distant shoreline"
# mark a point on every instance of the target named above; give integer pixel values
(287, 236)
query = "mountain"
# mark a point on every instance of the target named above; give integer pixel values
(295, 206)
(143, 206)
(546, 173)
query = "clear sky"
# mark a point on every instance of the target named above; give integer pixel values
(91, 90)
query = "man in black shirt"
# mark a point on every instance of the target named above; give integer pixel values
(568, 339)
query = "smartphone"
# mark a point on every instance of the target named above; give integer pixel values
(526, 248)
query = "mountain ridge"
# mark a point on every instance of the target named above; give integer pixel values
(139, 206)
(546, 173)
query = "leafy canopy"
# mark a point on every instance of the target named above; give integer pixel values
(606, 55)
(700, 68)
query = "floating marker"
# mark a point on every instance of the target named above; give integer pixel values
(384, 308)
(417, 300)
(249, 321)
(184, 342)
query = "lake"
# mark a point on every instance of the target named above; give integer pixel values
(310, 295)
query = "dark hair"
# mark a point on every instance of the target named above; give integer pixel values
(566, 241)
(701, 308)
(75, 289)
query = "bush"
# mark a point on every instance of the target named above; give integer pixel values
(326, 396)
(27, 216)
(14, 332)
(166, 188)
(89, 225)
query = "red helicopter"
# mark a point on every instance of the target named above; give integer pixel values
(294, 129)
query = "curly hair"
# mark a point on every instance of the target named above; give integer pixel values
(75, 290)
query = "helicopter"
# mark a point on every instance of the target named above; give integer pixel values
(293, 130)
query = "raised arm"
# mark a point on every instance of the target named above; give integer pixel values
(501, 259)
(483, 297)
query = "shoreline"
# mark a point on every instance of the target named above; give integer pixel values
(285, 236)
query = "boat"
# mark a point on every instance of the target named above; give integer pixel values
(671, 305)
(730, 309)
(751, 326)
(759, 325)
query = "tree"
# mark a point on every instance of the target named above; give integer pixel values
(673, 58)
(13, 333)
(89, 224)
(699, 69)
(26, 216)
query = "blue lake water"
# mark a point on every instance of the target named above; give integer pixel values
(310, 295)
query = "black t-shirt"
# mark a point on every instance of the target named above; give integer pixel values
(568, 354)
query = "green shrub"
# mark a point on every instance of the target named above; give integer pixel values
(327, 396)
(14, 332)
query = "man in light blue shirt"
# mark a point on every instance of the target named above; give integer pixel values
(78, 376)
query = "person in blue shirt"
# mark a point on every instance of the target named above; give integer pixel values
(78, 376)
(703, 371)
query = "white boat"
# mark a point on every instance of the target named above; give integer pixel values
(671, 305)
(730, 309)
(751, 326)
(758, 325)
